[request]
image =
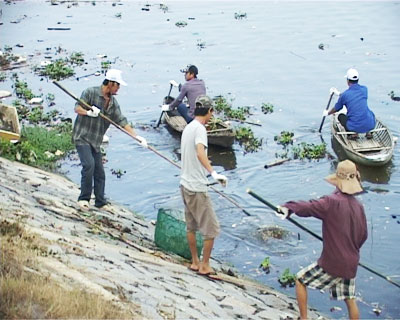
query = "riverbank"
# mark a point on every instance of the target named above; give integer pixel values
(113, 254)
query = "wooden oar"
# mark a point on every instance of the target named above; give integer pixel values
(162, 112)
(318, 236)
(88, 107)
(327, 107)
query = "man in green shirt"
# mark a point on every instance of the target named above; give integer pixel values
(88, 133)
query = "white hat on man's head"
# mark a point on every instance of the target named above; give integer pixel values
(352, 74)
(115, 75)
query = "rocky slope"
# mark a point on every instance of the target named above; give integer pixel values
(112, 253)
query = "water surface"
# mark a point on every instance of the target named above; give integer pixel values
(271, 56)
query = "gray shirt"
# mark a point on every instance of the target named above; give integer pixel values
(191, 89)
(193, 174)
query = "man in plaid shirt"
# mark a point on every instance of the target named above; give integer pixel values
(88, 133)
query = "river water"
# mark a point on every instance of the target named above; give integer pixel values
(285, 53)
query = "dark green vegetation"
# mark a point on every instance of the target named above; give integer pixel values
(244, 135)
(265, 264)
(285, 138)
(287, 278)
(39, 146)
(267, 108)
(309, 151)
(301, 151)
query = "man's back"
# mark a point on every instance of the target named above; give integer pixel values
(359, 117)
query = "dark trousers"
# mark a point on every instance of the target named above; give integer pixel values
(184, 111)
(343, 120)
(92, 171)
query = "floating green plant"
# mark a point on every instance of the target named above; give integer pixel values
(105, 65)
(57, 70)
(267, 108)
(247, 140)
(309, 151)
(77, 58)
(22, 90)
(287, 278)
(285, 138)
(265, 265)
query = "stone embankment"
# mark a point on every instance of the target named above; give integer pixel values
(113, 254)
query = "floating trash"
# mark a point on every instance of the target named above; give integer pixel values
(181, 24)
(240, 15)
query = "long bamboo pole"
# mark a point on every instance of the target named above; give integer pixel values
(318, 236)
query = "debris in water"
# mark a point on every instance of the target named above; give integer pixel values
(240, 15)
(336, 309)
(181, 24)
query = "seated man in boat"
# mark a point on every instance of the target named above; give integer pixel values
(359, 117)
(192, 88)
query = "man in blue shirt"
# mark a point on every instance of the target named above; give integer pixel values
(359, 117)
(192, 88)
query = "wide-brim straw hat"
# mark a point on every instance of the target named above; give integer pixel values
(346, 178)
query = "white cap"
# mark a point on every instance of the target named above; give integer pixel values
(115, 75)
(352, 74)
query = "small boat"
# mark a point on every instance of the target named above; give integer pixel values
(9, 123)
(223, 135)
(375, 151)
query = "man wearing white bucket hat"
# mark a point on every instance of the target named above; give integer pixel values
(359, 117)
(344, 230)
(88, 133)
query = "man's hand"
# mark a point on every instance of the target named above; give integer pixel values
(220, 178)
(94, 112)
(282, 212)
(174, 83)
(165, 107)
(325, 113)
(334, 91)
(142, 141)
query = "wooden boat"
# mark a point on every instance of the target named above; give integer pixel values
(375, 151)
(9, 123)
(222, 136)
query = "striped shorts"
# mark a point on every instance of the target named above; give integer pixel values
(315, 277)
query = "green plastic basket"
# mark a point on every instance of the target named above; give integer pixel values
(170, 233)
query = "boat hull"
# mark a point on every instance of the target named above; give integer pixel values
(223, 137)
(377, 151)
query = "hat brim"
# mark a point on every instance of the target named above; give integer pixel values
(122, 83)
(351, 186)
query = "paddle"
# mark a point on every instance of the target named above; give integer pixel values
(172, 83)
(327, 107)
(85, 105)
(318, 236)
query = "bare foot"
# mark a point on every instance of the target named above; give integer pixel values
(194, 267)
(206, 269)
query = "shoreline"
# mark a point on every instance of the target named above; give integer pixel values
(113, 254)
